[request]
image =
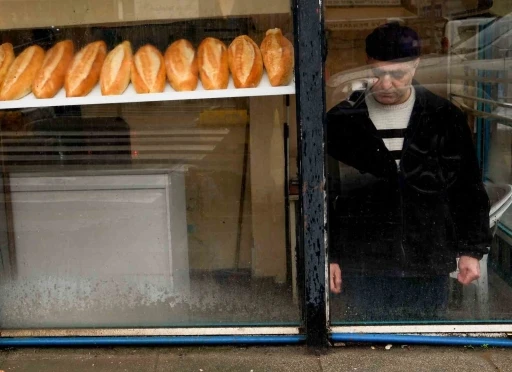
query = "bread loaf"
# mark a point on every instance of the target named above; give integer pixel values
(148, 70)
(212, 58)
(277, 52)
(245, 62)
(85, 69)
(181, 66)
(115, 73)
(50, 78)
(21, 74)
(6, 59)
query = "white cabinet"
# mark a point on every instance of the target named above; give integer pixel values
(91, 238)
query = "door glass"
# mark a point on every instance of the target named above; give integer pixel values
(419, 145)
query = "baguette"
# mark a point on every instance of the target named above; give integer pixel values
(21, 74)
(148, 70)
(115, 73)
(212, 57)
(181, 66)
(6, 59)
(277, 52)
(50, 78)
(245, 62)
(85, 69)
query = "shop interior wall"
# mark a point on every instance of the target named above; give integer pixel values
(35, 13)
(213, 185)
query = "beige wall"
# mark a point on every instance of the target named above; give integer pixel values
(37, 13)
(213, 205)
(267, 187)
(213, 184)
(501, 7)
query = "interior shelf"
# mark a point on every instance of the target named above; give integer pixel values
(169, 94)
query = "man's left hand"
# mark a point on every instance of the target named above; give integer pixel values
(469, 269)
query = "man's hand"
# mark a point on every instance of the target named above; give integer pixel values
(335, 277)
(469, 269)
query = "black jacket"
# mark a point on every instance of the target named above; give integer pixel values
(414, 220)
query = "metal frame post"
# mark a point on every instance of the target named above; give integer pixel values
(310, 52)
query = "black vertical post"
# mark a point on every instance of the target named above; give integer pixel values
(310, 94)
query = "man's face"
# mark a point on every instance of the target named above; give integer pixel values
(394, 80)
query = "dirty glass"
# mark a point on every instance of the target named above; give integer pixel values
(419, 161)
(148, 210)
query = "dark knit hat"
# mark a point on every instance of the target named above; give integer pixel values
(392, 41)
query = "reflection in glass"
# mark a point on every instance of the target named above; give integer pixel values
(411, 182)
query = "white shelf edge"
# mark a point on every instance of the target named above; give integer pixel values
(169, 94)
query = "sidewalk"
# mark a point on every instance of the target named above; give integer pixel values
(256, 359)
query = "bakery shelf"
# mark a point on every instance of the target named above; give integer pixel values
(95, 97)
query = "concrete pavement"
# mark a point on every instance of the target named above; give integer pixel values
(255, 359)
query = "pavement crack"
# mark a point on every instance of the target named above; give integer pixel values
(319, 361)
(157, 360)
(487, 357)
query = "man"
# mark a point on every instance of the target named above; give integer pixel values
(418, 202)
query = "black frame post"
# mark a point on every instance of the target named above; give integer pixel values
(308, 16)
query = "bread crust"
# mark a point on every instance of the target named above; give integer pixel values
(20, 76)
(212, 58)
(148, 70)
(6, 59)
(277, 52)
(181, 66)
(245, 62)
(84, 72)
(116, 70)
(50, 78)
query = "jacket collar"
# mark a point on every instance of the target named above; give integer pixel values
(418, 110)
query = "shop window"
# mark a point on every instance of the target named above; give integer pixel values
(159, 209)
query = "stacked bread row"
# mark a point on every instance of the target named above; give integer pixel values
(45, 73)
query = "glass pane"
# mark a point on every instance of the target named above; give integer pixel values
(418, 137)
(149, 210)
